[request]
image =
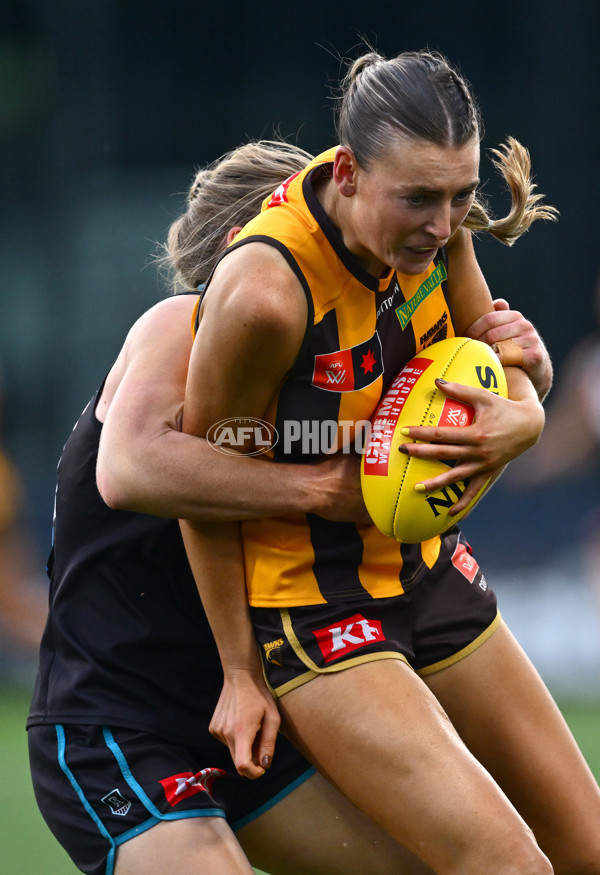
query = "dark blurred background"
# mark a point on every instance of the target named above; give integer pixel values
(107, 106)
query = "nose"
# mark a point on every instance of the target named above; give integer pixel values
(439, 223)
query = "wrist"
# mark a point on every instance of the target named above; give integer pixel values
(535, 418)
(238, 675)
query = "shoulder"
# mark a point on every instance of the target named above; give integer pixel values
(169, 315)
(460, 244)
(164, 325)
(255, 287)
(161, 334)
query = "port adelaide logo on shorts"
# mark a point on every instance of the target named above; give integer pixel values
(117, 802)
(184, 784)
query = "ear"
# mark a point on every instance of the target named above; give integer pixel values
(232, 234)
(344, 171)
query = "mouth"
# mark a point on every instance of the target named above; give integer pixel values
(423, 251)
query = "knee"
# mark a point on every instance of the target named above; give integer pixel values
(540, 866)
(529, 859)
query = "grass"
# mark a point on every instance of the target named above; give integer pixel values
(28, 848)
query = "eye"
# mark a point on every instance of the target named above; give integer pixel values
(416, 200)
(464, 197)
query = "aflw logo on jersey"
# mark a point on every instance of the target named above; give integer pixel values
(348, 370)
(352, 633)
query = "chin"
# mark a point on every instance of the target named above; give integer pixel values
(412, 269)
(414, 265)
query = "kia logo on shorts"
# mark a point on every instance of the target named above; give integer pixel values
(231, 436)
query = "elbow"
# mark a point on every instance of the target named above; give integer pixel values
(115, 490)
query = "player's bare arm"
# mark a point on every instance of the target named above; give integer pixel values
(147, 465)
(257, 308)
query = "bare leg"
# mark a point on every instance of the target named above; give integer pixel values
(317, 831)
(506, 716)
(184, 847)
(379, 735)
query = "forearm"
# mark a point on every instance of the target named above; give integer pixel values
(475, 315)
(525, 350)
(215, 555)
(541, 375)
(246, 718)
(522, 391)
(181, 476)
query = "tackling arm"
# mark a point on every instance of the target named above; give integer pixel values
(147, 464)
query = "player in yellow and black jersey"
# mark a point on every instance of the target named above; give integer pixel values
(355, 264)
(342, 368)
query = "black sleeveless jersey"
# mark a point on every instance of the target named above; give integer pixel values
(127, 642)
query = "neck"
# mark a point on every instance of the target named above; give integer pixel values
(328, 196)
(339, 211)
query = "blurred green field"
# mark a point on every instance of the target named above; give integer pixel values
(28, 848)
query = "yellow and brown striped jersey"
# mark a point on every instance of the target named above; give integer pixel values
(361, 331)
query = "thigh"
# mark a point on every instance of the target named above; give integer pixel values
(97, 788)
(508, 719)
(380, 736)
(181, 847)
(329, 836)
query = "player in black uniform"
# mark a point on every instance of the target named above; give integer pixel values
(125, 771)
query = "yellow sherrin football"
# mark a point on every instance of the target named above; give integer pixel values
(388, 477)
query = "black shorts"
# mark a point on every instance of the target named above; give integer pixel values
(440, 619)
(98, 787)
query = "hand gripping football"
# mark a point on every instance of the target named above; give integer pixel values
(388, 477)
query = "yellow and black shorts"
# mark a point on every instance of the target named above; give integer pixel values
(440, 619)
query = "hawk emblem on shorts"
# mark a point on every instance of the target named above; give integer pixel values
(273, 651)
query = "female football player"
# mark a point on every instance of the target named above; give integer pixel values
(393, 669)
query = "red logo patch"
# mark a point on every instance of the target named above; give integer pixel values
(464, 562)
(334, 370)
(178, 787)
(349, 370)
(352, 633)
(279, 196)
(456, 413)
